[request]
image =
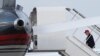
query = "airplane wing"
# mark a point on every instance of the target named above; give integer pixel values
(66, 26)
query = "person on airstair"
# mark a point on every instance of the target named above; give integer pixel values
(89, 40)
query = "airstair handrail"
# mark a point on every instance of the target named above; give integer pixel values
(82, 44)
(85, 45)
(83, 17)
(78, 46)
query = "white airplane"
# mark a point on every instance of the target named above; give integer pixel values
(50, 29)
(17, 30)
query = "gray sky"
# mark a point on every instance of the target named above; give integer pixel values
(89, 8)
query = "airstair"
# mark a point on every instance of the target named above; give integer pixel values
(76, 48)
(94, 28)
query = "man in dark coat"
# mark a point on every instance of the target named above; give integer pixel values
(89, 40)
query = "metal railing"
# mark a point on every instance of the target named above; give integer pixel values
(94, 28)
(84, 50)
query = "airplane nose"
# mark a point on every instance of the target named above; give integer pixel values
(19, 23)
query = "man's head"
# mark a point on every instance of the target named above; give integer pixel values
(87, 32)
